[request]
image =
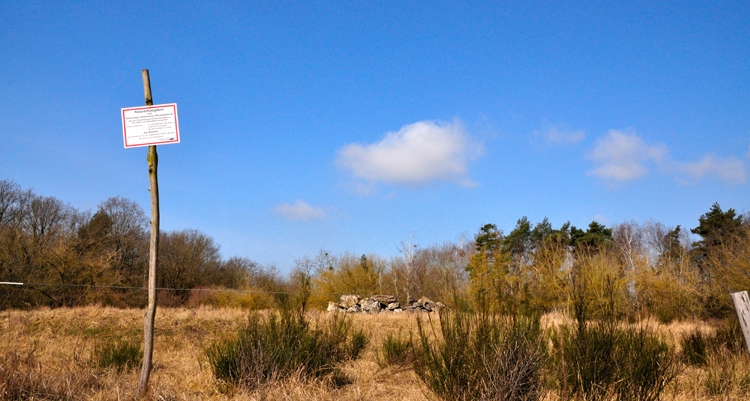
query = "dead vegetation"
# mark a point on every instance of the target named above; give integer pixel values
(53, 354)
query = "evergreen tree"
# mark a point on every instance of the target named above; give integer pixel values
(489, 239)
(593, 240)
(717, 229)
(486, 267)
(518, 244)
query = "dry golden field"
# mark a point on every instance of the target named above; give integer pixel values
(51, 352)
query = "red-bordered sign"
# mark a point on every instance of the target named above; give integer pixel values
(150, 125)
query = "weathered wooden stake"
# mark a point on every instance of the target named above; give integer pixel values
(742, 305)
(153, 259)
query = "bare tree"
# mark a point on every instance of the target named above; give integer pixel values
(187, 259)
(407, 250)
(128, 234)
(46, 218)
(10, 196)
(629, 242)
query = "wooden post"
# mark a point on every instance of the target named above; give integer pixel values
(742, 305)
(148, 323)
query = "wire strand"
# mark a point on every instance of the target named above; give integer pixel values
(121, 287)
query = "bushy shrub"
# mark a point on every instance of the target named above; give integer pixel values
(647, 365)
(281, 344)
(480, 357)
(598, 288)
(603, 359)
(668, 294)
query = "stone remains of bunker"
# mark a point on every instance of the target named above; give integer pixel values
(351, 303)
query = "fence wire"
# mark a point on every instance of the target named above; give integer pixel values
(121, 287)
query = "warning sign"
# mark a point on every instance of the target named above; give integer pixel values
(150, 125)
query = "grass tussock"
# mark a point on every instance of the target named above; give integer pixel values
(118, 354)
(695, 347)
(722, 358)
(727, 373)
(395, 351)
(23, 377)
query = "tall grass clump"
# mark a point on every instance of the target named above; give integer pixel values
(723, 356)
(282, 344)
(395, 351)
(118, 354)
(695, 348)
(605, 359)
(481, 357)
(729, 335)
(23, 377)
(727, 373)
(357, 344)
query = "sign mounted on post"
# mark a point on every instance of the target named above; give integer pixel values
(150, 125)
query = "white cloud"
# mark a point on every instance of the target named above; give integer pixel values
(730, 170)
(622, 156)
(300, 211)
(555, 136)
(417, 154)
(601, 219)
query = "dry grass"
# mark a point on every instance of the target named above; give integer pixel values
(51, 351)
(55, 347)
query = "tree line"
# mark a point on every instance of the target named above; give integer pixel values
(69, 257)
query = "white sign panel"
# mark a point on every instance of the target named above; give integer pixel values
(150, 125)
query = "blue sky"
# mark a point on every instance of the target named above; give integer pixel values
(349, 126)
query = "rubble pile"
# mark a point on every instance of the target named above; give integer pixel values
(382, 303)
